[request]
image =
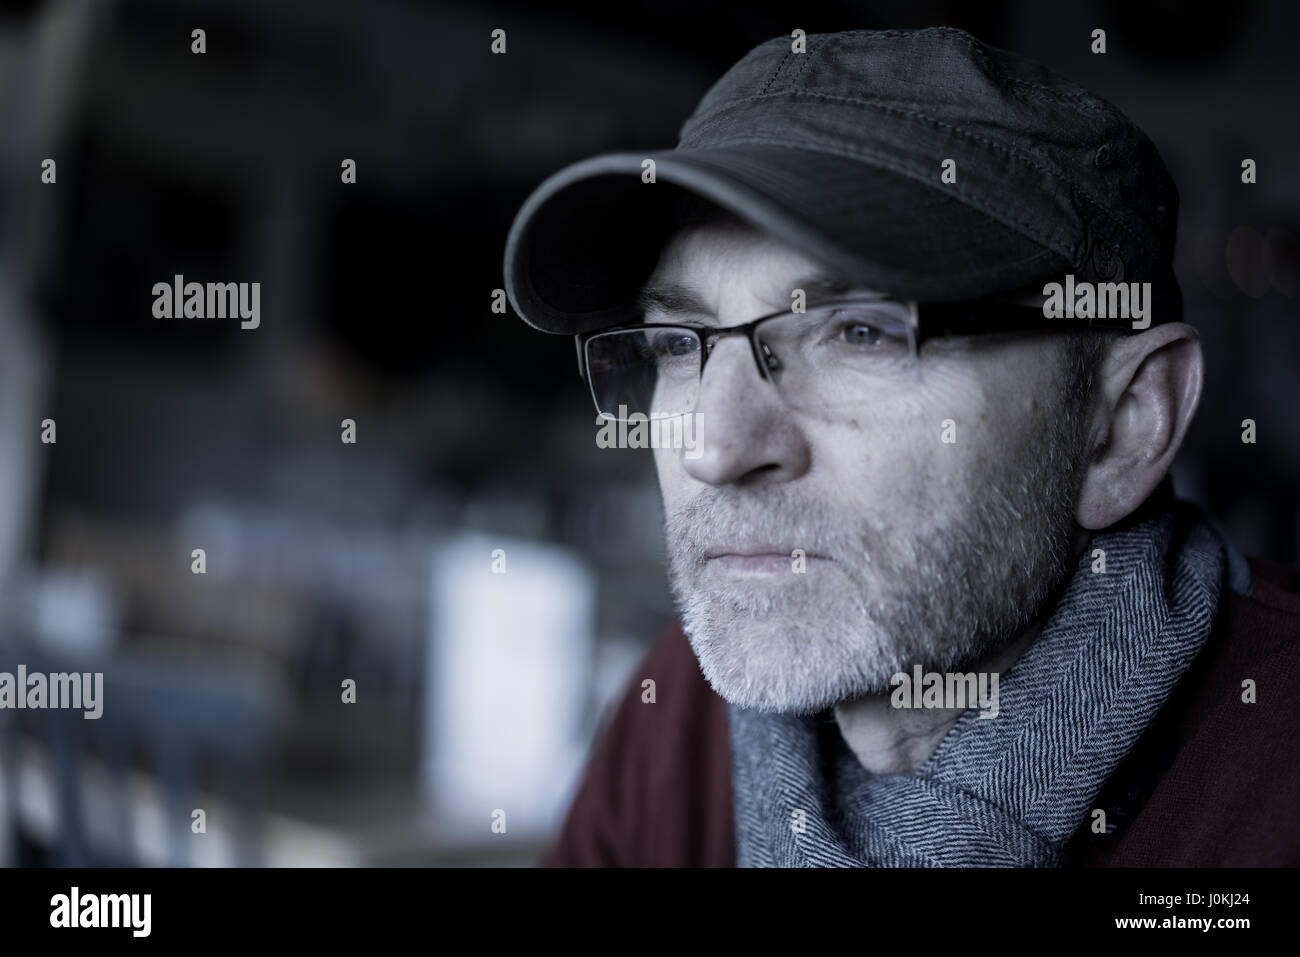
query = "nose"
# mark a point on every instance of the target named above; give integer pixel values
(747, 435)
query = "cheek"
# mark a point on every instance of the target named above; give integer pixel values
(673, 480)
(912, 456)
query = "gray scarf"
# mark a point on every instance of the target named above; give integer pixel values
(1011, 790)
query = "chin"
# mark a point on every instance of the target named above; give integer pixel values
(780, 663)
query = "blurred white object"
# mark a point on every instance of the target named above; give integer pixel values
(616, 660)
(507, 681)
(75, 613)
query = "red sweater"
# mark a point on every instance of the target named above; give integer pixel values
(1222, 777)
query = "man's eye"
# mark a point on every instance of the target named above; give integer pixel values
(675, 344)
(865, 328)
(860, 334)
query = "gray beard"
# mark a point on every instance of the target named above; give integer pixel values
(944, 596)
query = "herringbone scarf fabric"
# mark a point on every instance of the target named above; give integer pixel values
(1008, 790)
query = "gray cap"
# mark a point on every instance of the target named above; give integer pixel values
(839, 151)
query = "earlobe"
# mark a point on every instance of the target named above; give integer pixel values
(1148, 397)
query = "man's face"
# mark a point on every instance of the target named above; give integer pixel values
(916, 550)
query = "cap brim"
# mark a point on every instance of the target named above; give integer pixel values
(589, 236)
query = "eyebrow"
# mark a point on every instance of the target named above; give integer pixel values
(676, 298)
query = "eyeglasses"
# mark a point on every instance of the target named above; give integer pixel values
(829, 358)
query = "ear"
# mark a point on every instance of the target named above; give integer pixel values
(1148, 388)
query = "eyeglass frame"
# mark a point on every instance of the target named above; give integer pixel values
(926, 321)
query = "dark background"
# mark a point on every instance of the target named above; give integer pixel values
(474, 430)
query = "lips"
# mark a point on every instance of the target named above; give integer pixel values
(758, 556)
(747, 551)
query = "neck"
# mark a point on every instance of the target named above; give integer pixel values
(889, 740)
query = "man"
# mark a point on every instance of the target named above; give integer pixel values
(939, 603)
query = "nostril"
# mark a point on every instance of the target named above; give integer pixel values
(757, 473)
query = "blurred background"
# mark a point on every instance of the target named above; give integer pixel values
(381, 562)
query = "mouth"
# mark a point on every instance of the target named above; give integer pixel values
(759, 559)
(746, 551)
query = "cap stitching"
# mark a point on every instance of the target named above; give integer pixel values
(1014, 152)
(775, 73)
(1028, 228)
(806, 57)
(1082, 100)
